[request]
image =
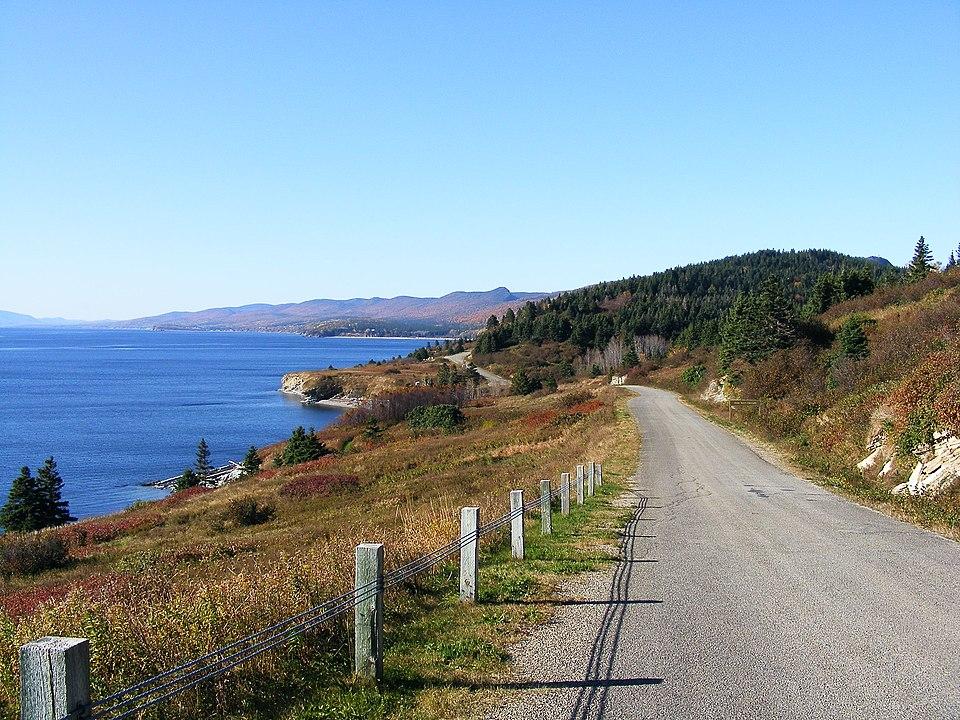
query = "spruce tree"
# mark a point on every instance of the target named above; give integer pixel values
(922, 263)
(301, 447)
(951, 262)
(54, 509)
(202, 466)
(22, 511)
(852, 337)
(189, 479)
(251, 462)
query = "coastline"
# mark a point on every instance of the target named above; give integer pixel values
(339, 402)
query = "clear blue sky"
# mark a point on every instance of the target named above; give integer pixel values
(181, 155)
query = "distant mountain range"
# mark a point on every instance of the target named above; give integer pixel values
(12, 319)
(403, 315)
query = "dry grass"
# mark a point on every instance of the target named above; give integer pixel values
(168, 581)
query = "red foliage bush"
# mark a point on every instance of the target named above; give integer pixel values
(585, 408)
(933, 387)
(23, 602)
(317, 485)
(538, 419)
(106, 528)
(181, 496)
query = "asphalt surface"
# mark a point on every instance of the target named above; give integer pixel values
(747, 592)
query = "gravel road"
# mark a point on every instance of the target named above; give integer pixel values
(495, 380)
(747, 592)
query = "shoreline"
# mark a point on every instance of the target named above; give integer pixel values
(338, 402)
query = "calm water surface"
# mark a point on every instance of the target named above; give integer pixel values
(117, 408)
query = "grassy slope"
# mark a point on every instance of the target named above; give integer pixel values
(822, 416)
(168, 581)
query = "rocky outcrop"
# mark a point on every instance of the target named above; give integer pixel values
(937, 468)
(716, 391)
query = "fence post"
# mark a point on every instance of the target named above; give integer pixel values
(54, 678)
(599, 475)
(579, 484)
(591, 475)
(368, 613)
(565, 493)
(469, 527)
(516, 524)
(546, 508)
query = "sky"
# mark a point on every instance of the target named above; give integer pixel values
(183, 155)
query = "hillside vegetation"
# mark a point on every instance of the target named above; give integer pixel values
(850, 358)
(167, 581)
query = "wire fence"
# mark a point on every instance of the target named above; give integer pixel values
(141, 696)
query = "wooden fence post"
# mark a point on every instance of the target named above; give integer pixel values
(599, 475)
(579, 484)
(591, 476)
(368, 613)
(469, 527)
(54, 678)
(516, 524)
(546, 508)
(565, 493)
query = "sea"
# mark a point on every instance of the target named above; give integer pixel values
(118, 408)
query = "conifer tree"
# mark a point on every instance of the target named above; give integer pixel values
(22, 511)
(922, 263)
(852, 337)
(53, 508)
(951, 262)
(251, 462)
(202, 467)
(301, 447)
(189, 479)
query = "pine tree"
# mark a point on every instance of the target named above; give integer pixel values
(54, 509)
(922, 263)
(951, 262)
(852, 337)
(189, 479)
(251, 462)
(301, 447)
(202, 466)
(22, 511)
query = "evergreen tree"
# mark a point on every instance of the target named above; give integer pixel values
(251, 462)
(202, 466)
(852, 337)
(301, 447)
(523, 384)
(922, 263)
(22, 511)
(951, 262)
(189, 479)
(53, 508)
(630, 358)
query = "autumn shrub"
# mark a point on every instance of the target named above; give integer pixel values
(30, 553)
(244, 512)
(395, 406)
(928, 399)
(110, 527)
(318, 485)
(568, 400)
(436, 417)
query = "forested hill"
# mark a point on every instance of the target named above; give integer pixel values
(685, 303)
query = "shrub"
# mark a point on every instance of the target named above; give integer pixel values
(693, 375)
(318, 485)
(436, 417)
(31, 553)
(244, 512)
(577, 397)
(395, 406)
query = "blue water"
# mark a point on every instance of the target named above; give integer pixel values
(117, 408)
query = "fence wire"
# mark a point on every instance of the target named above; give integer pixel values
(143, 695)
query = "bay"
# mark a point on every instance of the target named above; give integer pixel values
(117, 408)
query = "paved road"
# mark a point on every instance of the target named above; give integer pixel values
(746, 592)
